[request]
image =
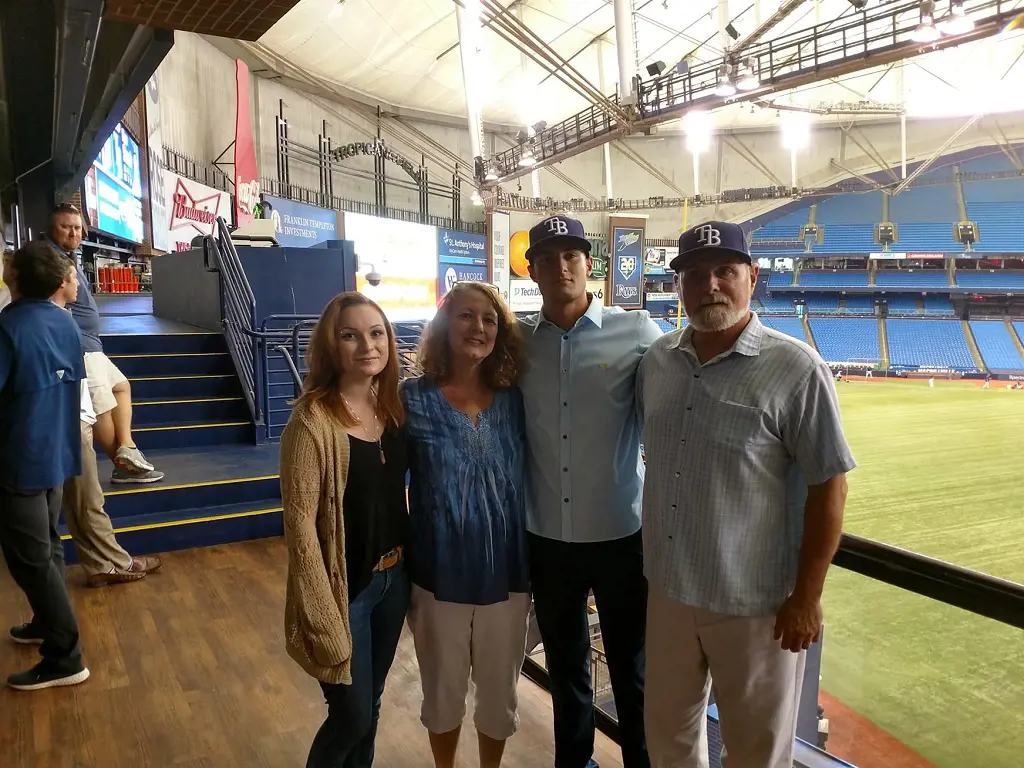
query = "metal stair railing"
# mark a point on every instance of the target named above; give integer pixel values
(238, 313)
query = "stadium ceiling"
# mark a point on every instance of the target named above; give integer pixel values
(405, 53)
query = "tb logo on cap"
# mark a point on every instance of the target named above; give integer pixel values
(557, 227)
(708, 235)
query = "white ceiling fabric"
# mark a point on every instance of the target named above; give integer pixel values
(394, 50)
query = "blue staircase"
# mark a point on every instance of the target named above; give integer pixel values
(192, 420)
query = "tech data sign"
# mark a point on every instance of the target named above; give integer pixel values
(194, 209)
(524, 296)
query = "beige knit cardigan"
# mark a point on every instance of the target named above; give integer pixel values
(314, 471)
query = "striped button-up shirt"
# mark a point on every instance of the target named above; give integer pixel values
(584, 466)
(731, 447)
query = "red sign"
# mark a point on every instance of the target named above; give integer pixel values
(193, 211)
(247, 185)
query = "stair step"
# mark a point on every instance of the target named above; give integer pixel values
(198, 527)
(194, 434)
(211, 385)
(176, 409)
(162, 343)
(154, 365)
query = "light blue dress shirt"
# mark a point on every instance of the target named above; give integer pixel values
(731, 447)
(582, 431)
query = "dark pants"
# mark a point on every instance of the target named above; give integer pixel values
(563, 575)
(376, 616)
(35, 558)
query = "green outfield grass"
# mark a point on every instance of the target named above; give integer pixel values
(941, 472)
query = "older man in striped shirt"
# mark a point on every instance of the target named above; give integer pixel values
(742, 513)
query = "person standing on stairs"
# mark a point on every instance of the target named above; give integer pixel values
(346, 522)
(41, 365)
(104, 560)
(108, 387)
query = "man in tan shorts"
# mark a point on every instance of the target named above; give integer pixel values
(108, 387)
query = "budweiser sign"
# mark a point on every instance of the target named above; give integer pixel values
(194, 210)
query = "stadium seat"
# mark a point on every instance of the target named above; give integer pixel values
(992, 279)
(845, 340)
(833, 278)
(780, 280)
(903, 305)
(823, 303)
(860, 304)
(791, 326)
(938, 305)
(668, 325)
(777, 305)
(912, 278)
(928, 344)
(996, 345)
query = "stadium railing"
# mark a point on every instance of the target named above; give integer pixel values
(895, 578)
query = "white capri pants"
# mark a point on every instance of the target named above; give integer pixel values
(454, 642)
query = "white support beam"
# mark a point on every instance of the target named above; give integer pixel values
(625, 48)
(468, 18)
(608, 194)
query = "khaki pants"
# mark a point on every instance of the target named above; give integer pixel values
(756, 684)
(90, 527)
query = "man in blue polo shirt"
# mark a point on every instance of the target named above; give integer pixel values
(41, 365)
(586, 478)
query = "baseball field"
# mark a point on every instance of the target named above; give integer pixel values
(940, 472)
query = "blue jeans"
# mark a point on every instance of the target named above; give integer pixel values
(376, 616)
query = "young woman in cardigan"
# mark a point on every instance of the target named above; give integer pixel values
(467, 556)
(343, 466)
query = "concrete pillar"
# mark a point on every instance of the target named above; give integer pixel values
(609, 195)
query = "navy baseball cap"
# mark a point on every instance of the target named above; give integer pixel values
(710, 236)
(560, 230)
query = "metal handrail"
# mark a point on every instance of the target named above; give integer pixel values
(238, 313)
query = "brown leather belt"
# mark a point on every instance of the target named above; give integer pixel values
(389, 560)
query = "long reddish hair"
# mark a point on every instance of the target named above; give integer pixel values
(322, 382)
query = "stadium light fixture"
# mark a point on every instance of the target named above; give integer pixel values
(748, 80)
(528, 160)
(796, 130)
(956, 23)
(725, 88)
(926, 31)
(491, 172)
(476, 199)
(698, 127)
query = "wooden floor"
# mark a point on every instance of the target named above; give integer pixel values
(189, 669)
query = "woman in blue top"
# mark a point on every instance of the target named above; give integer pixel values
(470, 600)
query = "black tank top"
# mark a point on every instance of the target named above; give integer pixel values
(375, 509)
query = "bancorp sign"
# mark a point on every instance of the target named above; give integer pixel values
(194, 210)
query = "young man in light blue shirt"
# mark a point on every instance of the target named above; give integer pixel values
(586, 481)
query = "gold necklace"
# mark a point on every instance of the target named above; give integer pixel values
(376, 425)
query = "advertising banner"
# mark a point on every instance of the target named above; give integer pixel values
(598, 257)
(656, 260)
(460, 256)
(625, 261)
(247, 186)
(524, 296)
(600, 290)
(159, 204)
(113, 188)
(499, 234)
(194, 209)
(404, 254)
(298, 225)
